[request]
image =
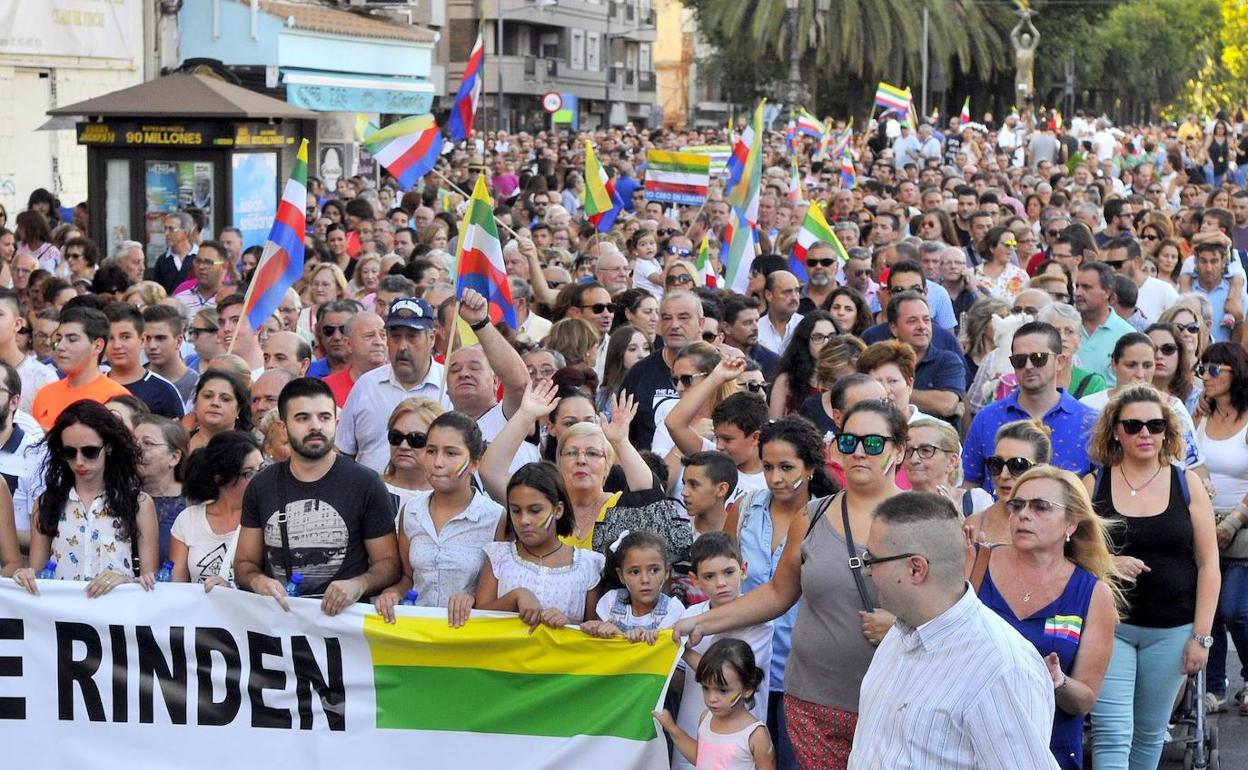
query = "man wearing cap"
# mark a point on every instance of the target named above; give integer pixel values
(411, 372)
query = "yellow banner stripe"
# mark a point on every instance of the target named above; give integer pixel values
(417, 641)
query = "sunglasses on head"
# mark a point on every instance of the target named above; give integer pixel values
(599, 307)
(1016, 465)
(415, 439)
(70, 453)
(1155, 426)
(872, 443)
(1038, 360)
(1213, 370)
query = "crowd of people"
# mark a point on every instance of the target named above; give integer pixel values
(1028, 375)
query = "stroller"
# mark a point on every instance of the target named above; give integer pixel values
(1193, 733)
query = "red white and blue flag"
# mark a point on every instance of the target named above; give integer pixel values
(459, 124)
(408, 149)
(479, 262)
(281, 264)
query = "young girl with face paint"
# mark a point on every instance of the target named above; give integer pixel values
(726, 730)
(640, 609)
(442, 530)
(537, 574)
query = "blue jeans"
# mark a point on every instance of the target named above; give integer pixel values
(1130, 716)
(785, 758)
(1233, 617)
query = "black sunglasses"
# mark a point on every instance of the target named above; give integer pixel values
(820, 262)
(70, 453)
(330, 330)
(709, 336)
(754, 386)
(1017, 465)
(599, 307)
(679, 279)
(872, 444)
(1116, 264)
(415, 439)
(1038, 360)
(1155, 426)
(1189, 328)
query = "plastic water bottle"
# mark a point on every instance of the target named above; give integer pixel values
(165, 573)
(410, 599)
(292, 585)
(48, 572)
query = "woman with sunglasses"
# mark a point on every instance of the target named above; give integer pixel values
(1162, 530)
(998, 275)
(1189, 317)
(1056, 583)
(205, 533)
(406, 431)
(202, 334)
(795, 371)
(934, 464)
(680, 274)
(93, 519)
(1170, 375)
(1017, 447)
(802, 547)
(1223, 435)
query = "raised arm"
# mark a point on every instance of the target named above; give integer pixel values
(680, 420)
(636, 472)
(503, 358)
(537, 279)
(536, 402)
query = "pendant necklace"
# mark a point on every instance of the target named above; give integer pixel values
(1135, 489)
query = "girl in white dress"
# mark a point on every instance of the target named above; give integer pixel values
(536, 574)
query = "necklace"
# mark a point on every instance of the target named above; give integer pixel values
(1135, 489)
(540, 557)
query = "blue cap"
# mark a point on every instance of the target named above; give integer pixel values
(411, 312)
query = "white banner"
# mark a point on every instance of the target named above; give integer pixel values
(175, 678)
(95, 29)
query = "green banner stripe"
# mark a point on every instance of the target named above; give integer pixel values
(701, 169)
(481, 701)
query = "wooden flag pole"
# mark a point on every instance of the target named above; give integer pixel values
(460, 190)
(450, 345)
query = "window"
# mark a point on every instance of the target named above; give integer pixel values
(643, 55)
(577, 57)
(593, 51)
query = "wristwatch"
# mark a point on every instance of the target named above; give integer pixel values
(1203, 641)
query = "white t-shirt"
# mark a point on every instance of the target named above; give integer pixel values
(642, 270)
(34, 376)
(206, 550)
(1154, 297)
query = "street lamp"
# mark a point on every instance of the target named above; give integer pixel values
(542, 4)
(795, 90)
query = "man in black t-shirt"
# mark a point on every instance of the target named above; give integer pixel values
(650, 379)
(319, 513)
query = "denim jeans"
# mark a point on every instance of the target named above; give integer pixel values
(785, 758)
(1130, 716)
(1233, 617)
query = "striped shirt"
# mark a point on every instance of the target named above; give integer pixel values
(963, 690)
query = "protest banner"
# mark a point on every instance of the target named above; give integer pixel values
(677, 177)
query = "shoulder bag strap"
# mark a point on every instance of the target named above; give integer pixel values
(979, 567)
(855, 558)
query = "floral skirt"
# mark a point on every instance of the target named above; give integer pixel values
(821, 735)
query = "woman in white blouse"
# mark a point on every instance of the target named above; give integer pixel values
(201, 545)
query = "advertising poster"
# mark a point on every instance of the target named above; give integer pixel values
(254, 177)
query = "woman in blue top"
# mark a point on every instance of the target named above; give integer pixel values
(1056, 583)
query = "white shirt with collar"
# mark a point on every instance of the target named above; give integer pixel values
(447, 561)
(963, 690)
(362, 421)
(772, 340)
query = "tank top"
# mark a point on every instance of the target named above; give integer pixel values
(724, 751)
(1227, 462)
(1055, 628)
(1165, 596)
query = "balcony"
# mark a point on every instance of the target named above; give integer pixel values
(622, 76)
(645, 81)
(540, 69)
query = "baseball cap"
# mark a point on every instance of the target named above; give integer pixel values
(411, 312)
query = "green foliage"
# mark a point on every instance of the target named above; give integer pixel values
(1222, 80)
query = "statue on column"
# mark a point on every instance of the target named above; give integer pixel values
(1025, 38)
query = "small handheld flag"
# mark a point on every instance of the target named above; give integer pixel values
(815, 229)
(281, 264)
(965, 115)
(408, 149)
(809, 125)
(891, 97)
(710, 279)
(459, 124)
(479, 260)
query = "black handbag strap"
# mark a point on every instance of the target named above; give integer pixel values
(855, 558)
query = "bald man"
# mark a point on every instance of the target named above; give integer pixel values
(289, 351)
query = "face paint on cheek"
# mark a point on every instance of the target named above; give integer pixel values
(549, 518)
(735, 699)
(798, 484)
(887, 463)
(459, 474)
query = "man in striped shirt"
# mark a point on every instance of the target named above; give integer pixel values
(952, 685)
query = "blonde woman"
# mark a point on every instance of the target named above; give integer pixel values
(366, 277)
(1056, 582)
(934, 464)
(680, 274)
(576, 340)
(145, 294)
(1163, 535)
(406, 433)
(326, 283)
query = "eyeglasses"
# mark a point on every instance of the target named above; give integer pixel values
(1038, 505)
(872, 443)
(599, 307)
(1189, 328)
(75, 255)
(1009, 244)
(1156, 426)
(1052, 233)
(861, 272)
(1016, 465)
(1038, 360)
(928, 451)
(679, 279)
(685, 379)
(149, 444)
(1154, 191)
(331, 330)
(1167, 348)
(416, 439)
(1211, 370)
(754, 386)
(869, 560)
(70, 453)
(208, 262)
(544, 373)
(588, 454)
(819, 339)
(820, 262)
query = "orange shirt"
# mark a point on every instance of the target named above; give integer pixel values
(52, 398)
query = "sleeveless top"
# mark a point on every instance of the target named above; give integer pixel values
(725, 751)
(830, 654)
(1055, 628)
(88, 542)
(1165, 596)
(1227, 462)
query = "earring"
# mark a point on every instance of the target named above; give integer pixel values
(1068, 537)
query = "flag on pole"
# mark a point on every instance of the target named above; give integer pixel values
(710, 279)
(408, 149)
(741, 148)
(797, 192)
(891, 97)
(744, 193)
(281, 263)
(364, 126)
(815, 229)
(965, 115)
(809, 125)
(469, 95)
(742, 241)
(479, 260)
(849, 177)
(599, 200)
(790, 136)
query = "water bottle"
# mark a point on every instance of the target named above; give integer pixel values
(48, 572)
(410, 599)
(165, 573)
(292, 585)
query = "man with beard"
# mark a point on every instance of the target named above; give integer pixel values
(411, 372)
(318, 514)
(821, 266)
